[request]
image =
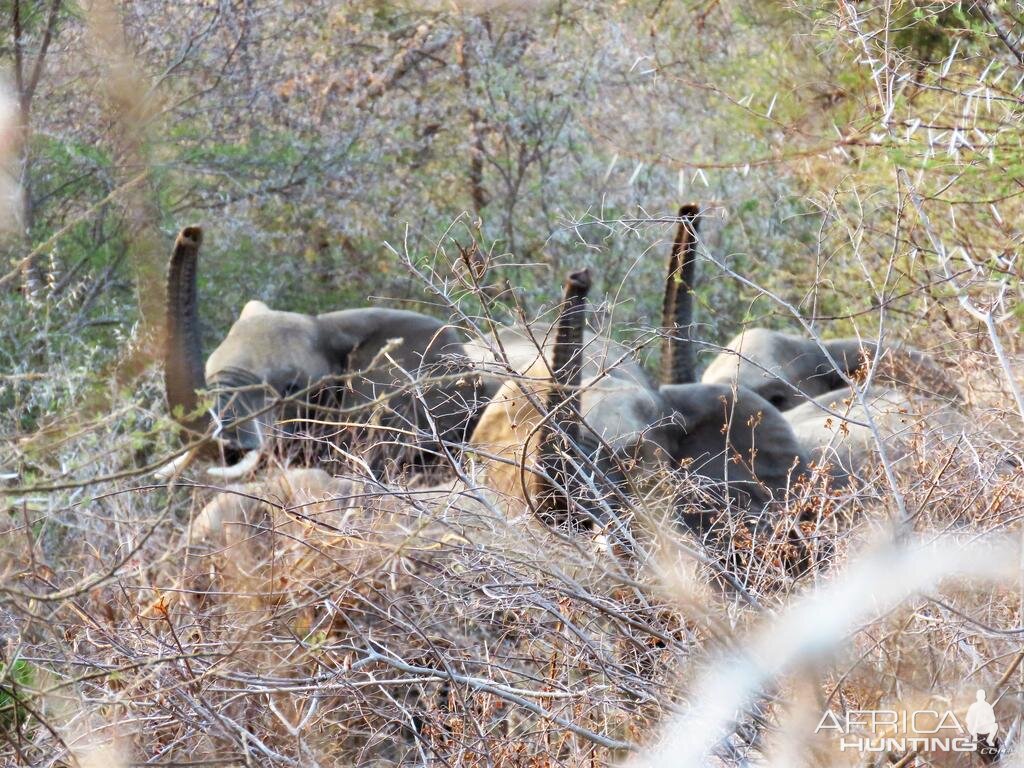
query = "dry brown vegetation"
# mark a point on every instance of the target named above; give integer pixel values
(859, 166)
(354, 621)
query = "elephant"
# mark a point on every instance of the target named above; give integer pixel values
(833, 428)
(679, 359)
(735, 443)
(605, 403)
(736, 449)
(357, 370)
(789, 370)
(232, 539)
(911, 398)
(809, 382)
(595, 395)
(560, 433)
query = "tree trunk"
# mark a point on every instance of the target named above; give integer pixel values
(477, 193)
(26, 80)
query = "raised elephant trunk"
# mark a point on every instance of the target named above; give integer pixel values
(679, 365)
(183, 354)
(563, 429)
(567, 356)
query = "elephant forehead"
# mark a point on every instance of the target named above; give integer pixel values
(620, 410)
(725, 368)
(270, 343)
(753, 356)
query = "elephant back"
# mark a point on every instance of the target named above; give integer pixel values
(834, 428)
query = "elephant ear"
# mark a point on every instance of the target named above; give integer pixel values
(898, 365)
(694, 405)
(338, 339)
(362, 332)
(710, 415)
(253, 308)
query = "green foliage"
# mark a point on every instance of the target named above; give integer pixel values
(359, 125)
(16, 682)
(926, 31)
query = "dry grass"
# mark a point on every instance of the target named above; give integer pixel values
(353, 621)
(318, 620)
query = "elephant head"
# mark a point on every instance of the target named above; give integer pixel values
(368, 362)
(788, 370)
(737, 448)
(834, 428)
(570, 391)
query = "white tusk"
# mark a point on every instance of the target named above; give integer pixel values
(175, 466)
(243, 466)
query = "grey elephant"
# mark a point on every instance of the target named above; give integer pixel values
(911, 398)
(788, 370)
(401, 375)
(739, 454)
(610, 405)
(837, 434)
(735, 442)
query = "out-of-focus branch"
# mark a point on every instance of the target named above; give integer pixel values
(19, 54)
(423, 45)
(814, 626)
(26, 81)
(1002, 33)
(44, 45)
(85, 216)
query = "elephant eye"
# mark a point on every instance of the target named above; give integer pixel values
(777, 400)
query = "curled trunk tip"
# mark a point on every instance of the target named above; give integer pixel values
(566, 356)
(577, 284)
(189, 237)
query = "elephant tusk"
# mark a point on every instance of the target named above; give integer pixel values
(175, 466)
(242, 467)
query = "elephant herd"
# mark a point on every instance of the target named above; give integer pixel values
(562, 419)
